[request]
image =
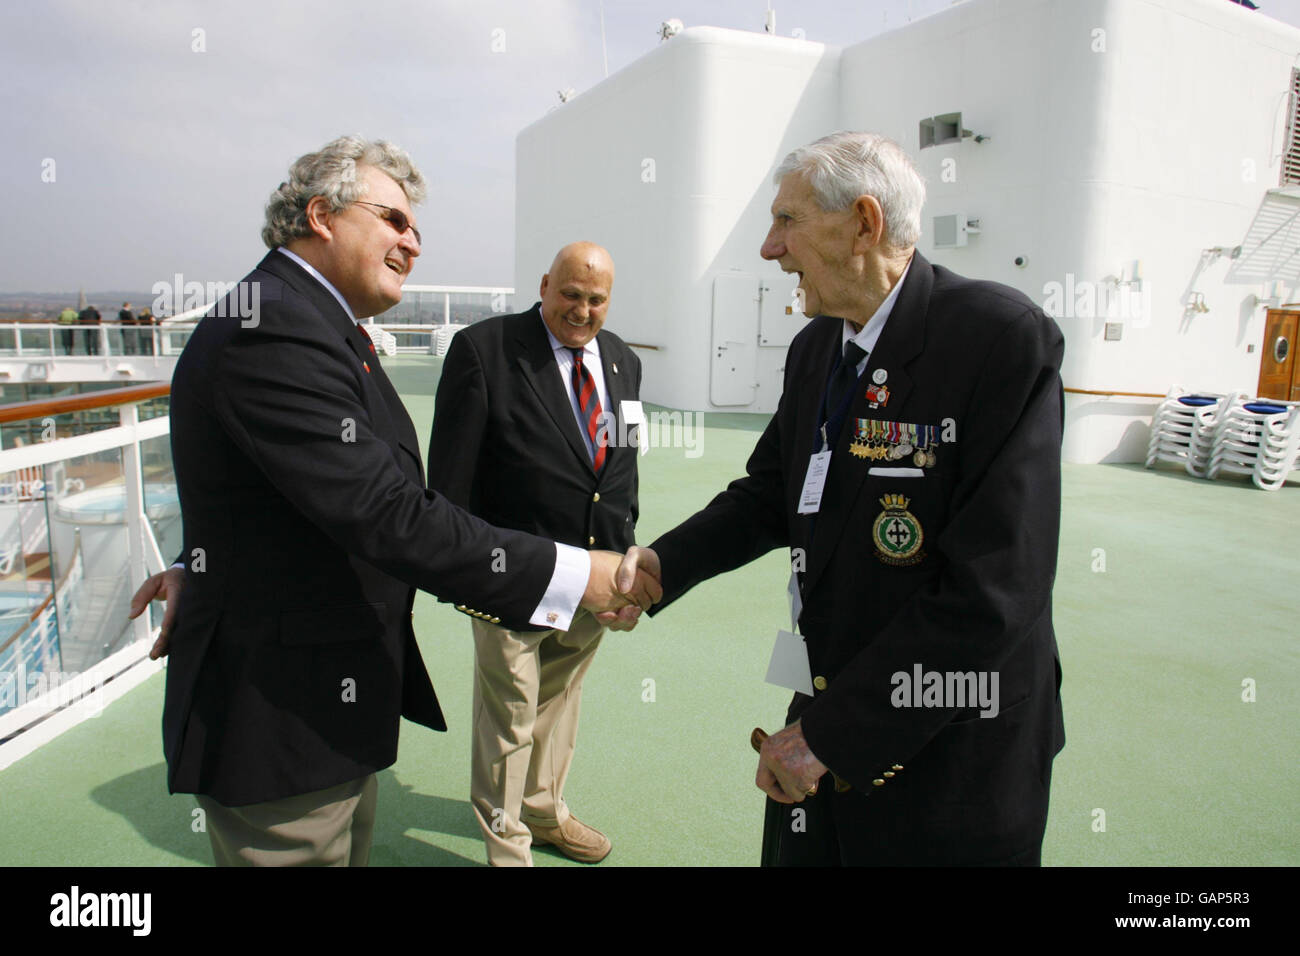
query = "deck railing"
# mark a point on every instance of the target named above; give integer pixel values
(81, 521)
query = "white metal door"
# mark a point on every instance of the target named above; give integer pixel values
(733, 366)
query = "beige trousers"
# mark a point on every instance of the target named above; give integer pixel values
(527, 693)
(330, 827)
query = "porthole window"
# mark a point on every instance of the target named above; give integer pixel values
(1281, 349)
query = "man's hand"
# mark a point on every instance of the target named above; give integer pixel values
(640, 561)
(165, 586)
(605, 594)
(787, 770)
(639, 566)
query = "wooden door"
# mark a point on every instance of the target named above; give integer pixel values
(1279, 372)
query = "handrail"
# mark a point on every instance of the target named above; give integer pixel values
(108, 398)
(54, 590)
(1088, 391)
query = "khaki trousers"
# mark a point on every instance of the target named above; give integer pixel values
(527, 693)
(330, 827)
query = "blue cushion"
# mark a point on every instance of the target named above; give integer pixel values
(1198, 400)
(1259, 408)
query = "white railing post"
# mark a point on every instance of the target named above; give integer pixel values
(446, 308)
(136, 559)
(18, 339)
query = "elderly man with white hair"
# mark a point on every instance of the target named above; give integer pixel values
(913, 470)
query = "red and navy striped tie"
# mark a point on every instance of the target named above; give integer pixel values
(584, 386)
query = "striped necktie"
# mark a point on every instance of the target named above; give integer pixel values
(584, 386)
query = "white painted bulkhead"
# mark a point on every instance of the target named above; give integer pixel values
(1124, 137)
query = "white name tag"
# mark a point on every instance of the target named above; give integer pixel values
(810, 499)
(789, 666)
(633, 414)
(897, 472)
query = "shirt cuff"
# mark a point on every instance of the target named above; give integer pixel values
(568, 584)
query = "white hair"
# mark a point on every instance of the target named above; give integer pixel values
(331, 172)
(844, 165)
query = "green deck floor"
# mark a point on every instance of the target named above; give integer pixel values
(1198, 594)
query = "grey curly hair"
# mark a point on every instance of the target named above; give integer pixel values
(843, 166)
(331, 172)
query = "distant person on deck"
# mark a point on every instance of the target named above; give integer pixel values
(91, 318)
(146, 320)
(126, 318)
(67, 319)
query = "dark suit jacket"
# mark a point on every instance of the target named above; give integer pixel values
(306, 525)
(983, 356)
(506, 444)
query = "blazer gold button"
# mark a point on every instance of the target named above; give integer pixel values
(596, 496)
(887, 774)
(591, 540)
(897, 766)
(819, 682)
(496, 620)
(877, 782)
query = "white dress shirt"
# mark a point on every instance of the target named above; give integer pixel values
(870, 334)
(591, 362)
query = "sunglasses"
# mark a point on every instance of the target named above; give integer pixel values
(396, 217)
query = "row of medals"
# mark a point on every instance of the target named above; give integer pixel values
(894, 441)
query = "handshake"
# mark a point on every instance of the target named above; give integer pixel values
(620, 587)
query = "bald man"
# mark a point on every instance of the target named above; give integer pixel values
(531, 432)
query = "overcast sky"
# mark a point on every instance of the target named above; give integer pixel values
(164, 154)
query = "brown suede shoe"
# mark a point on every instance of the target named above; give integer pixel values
(574, 839)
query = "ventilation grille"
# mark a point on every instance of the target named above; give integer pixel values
(1291, 161)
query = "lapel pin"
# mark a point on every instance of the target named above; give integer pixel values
(880, 376)
(614, 366)
(366, 366)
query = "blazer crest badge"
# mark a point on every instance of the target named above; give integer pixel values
(897, 534)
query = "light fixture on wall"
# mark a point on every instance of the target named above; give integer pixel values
(944, 129)
(1271, 298)
(1214, 252)
(1196, 303)
(1130, 276)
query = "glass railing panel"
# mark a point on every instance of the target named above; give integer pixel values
(161, 501)
(29, 647)
(36, 342)
(86, 507)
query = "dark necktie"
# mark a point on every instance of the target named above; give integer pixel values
(584, 387)
(845, 375)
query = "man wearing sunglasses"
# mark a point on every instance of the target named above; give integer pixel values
(307, 528)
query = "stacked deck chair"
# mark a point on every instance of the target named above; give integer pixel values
(1184, 428)
(1259, 438)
